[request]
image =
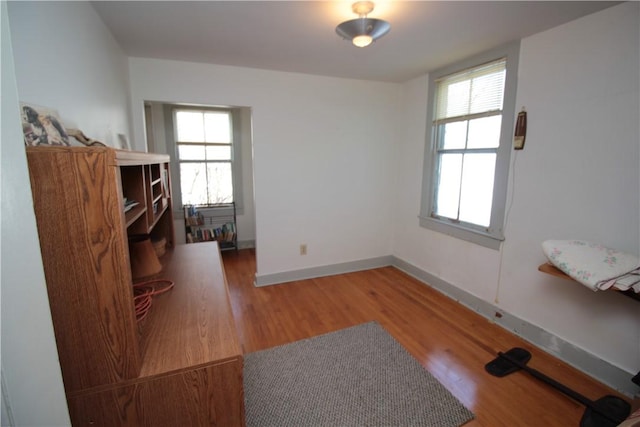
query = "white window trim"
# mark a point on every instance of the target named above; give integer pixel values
(493, 235)
(172, 148)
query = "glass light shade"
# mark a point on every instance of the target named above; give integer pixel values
(362, 41)
(369, 28)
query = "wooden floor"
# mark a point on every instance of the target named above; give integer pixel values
(449, 340)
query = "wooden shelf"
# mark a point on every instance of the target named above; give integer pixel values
(212, 223)
(133, 215)
(554, 271)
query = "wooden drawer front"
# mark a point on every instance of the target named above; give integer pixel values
(208, 396)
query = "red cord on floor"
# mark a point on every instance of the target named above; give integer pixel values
(143, 294)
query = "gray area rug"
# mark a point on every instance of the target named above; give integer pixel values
(359, 376)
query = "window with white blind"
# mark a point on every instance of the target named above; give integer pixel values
(471, 109)
(204, 149)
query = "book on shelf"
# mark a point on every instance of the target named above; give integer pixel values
(226, 233)
(129, 204)
(192, 216)
(206, 223)
(164, 182)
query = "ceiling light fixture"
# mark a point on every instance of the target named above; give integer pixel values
(363, 31)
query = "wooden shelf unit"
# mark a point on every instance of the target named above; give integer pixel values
(182, 365)
(212, 223)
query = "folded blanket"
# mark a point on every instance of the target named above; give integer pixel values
(593, 265)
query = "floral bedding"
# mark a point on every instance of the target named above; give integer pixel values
(595, 266)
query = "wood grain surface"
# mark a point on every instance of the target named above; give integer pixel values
(448, 339)
(208, 396)
(82, 240)
(192, 324)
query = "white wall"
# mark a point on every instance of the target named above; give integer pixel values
(588, 140)
(32, 389)
(247, 221)
(322, 151)
(577, 178)
(66, 59)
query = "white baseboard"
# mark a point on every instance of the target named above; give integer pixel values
(246, 244)
(321, 271)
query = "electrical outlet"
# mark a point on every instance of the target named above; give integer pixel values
(303, 249)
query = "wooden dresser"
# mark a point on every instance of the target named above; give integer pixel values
(181, 365)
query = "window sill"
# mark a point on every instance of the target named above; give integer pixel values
(461, 232)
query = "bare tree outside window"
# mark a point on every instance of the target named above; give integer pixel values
(204, 149)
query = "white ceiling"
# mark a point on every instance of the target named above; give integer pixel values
(299, 36)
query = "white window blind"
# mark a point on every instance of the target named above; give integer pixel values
(474, 91)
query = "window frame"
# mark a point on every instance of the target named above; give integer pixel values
(204, 145)
(491, 236)
(236, 159)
